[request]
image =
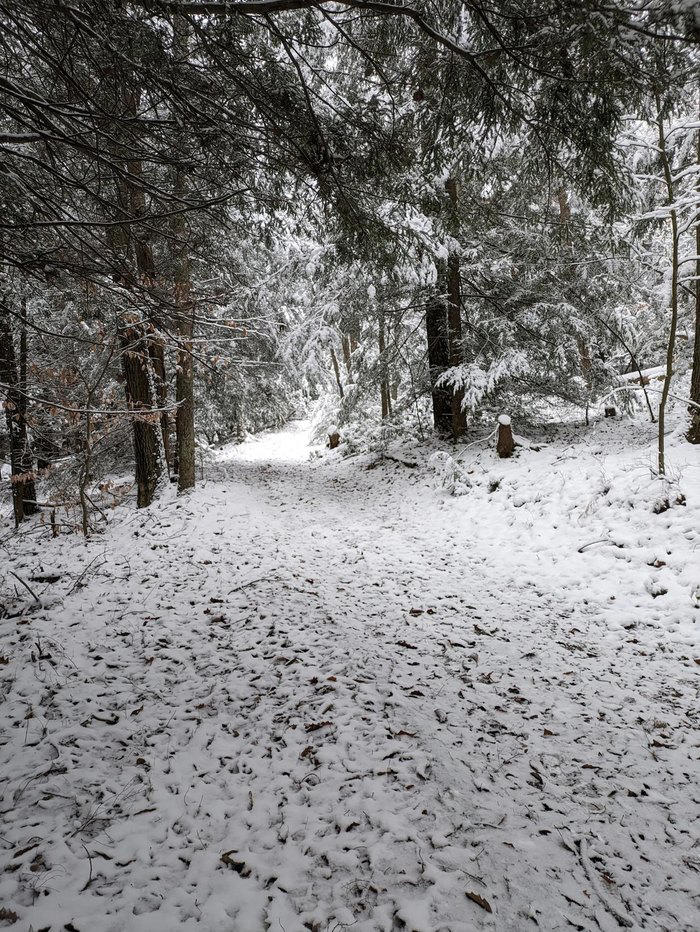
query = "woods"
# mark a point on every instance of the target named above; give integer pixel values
(471, 207)
(349, 478)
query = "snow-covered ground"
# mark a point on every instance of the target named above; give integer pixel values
(319, 694)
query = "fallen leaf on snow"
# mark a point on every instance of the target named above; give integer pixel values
(480, 901)
(240, 867)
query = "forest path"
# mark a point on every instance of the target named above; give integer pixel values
(379, 718)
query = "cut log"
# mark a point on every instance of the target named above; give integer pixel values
(505, 443)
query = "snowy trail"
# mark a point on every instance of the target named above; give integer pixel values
(298, 669)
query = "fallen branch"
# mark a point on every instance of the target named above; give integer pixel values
(89, 880)
(635, 388)
(395, 459)
(250, 582)
(80, 578)
(490, 436)
(27, 587)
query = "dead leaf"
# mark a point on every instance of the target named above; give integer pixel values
(480, 901)
(240, 867)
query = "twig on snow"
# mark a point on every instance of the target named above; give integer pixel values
(89, 880)
(250, 582)
(80, 578)
(461, 453)
(27, 587)
(603, 540)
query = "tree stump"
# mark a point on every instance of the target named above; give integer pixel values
(333, 440)
(505, 444)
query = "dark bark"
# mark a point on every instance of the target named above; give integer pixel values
(135, 363)
(673, 304)
(454, 316)
(438, 361)
(505, 443)
(135, 354)
(384, 370)
(347, 355)
(693, 434)
(394, 374)
(184, 306)
(14, 389)
(184, 381)
(147, 279)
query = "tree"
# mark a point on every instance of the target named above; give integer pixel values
(13, 380)
(693, 434)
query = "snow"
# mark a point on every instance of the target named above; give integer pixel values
(315, 695)
(655, 372)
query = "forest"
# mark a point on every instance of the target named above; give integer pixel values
(349, 473)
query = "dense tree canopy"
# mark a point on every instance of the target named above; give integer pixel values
(214, 214)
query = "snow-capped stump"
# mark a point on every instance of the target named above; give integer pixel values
(333, 440)
(505, 443)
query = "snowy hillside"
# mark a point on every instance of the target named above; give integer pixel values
(319, 694)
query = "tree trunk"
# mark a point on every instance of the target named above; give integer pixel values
(27, 457)
(671, 345)
(135, 354)
(146, 268)
(583, 348)
(184, 381)
(135, 362)
(184, 308)
(393, 377)
(147, 276)
(505, 445)
(21, 459)
(438, 361)
(347, 355)
(454, 316)
(383, 370)
(693, 434)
